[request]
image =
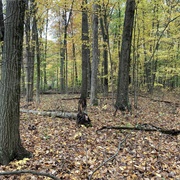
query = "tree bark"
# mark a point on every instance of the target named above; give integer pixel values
(36, 39)
(104, 28)
(1, 22)
(29, 59)
(45, 50)
(85, 51)
(10, 142)
(122, 99)
(95, 56)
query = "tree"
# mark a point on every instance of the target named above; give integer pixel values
(29, 60)
(95, 56)
(10, 142)
(1, 22)
(105, 35)
(36, 39)
(85, 51)
(66, 16)
(122, 99)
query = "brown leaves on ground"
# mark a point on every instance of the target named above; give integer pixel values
(72, 153)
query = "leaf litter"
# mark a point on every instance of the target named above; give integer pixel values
(60, 148)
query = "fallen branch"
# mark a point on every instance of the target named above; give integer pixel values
(141, 128)
(111, 158)
(58, 114)
(29, 172)
(176, 104)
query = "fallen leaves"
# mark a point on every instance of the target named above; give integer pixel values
(72, 153)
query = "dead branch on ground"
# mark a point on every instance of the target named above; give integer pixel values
(143, 127)
(111, 158)
(29, 172)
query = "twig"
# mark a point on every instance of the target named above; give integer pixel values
(29, 172)
(111, 158)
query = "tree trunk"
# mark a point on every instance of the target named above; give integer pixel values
(105, 34)
(1, 22)
(122, 100)
(85, 51)
(64, 63)
(23, 84)
(75, 71)
(95, 56)
(63, 57)
(38, 71)
(10, 143)
(29, 60)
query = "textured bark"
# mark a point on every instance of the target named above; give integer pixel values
(29, 57)
(85, 51)
(95, 57)
(10, 143)
(38, 70)
(122, 100)
(105, 35)
(37, 45)
(1, 22)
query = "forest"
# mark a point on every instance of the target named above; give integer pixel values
(89, 89)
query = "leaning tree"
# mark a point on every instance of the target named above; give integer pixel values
(10, 142)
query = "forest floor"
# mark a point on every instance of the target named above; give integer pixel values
(60, 148)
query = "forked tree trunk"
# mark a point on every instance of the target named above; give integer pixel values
(10, 142)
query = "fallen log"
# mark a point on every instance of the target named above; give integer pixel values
(58, 114)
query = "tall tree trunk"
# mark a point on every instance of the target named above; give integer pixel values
(29, 60)
(1, 22)
(135, 55)
(105, 34)
(85, 51)
(10, 142)
(122, 99)
(45, 51)
(63, 58)
(36, 39)
(95, 56)
(75, 73)
(63, 51)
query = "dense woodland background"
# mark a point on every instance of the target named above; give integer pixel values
(70, 50)
(53, 45)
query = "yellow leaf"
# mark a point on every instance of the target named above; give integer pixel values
(158, 175)
(77, 135)
(23, 161)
